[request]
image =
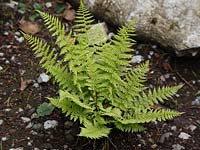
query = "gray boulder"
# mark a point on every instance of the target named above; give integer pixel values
(175, 24)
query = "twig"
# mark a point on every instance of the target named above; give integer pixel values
(112, 144)
(185, 80)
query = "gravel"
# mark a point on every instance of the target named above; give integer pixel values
(1, 122)
(50, 124)
(177, 147)
(184, 136)
(137, 59)
(25, 119)
(43, 78)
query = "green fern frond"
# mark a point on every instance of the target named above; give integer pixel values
(159, 95)
(83, 19)
(147, 116)
(129, 127)
(98, 85)
(94, 132)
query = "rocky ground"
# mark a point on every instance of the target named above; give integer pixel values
(24, 86)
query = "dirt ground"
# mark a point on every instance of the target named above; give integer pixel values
(21, 129)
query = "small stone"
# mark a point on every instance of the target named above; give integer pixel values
(162, 78)
(19, 148)
(48, 4)
(174, 78)
(7, 62)
(110, 35)
(30, 124)
(43, 78)
(1, 68)
(192, 127)
(36, 148)
(30, 143)
(151, 53)
(177, 147)
(173, 128)
(193, 82)
(154, 146)
(13, 58)
(3, 138)
(1, 122)
(34, 116)
(7, 109)
(20, 39)
(1, 54)
(154, 46)
(20, 110)
(137, 59)
(6, 33)
(33, 132)
(17, 33)
(184, 136)
(37, 126)
(25, 119)
(167, 76)
(164, 137)
(50, 124)
(196, 101)
(36, 85)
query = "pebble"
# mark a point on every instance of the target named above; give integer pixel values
(110, 35)
(177, 147)
(173, 128)
(36, 85)
(184, 136)
(164, 137)
(25, 119)
(137, 59)
(37, 126)
(33, 132)
(20, 110)
(1, 122)
(43, 78)
(192, 127)
(1, 54)
(50, 124)
(6, 33)
(154, 146)
(34, 115)
(30, 143)
(3, 138)
(48, 4)
(19, 39)
(17, 33)
(7, 62)
(151, 53)
(1, 68)
(196, 101)
(19, 148)
(154, 46)
(7, 109)
(30, 124)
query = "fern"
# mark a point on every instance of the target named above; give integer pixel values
(98, 86)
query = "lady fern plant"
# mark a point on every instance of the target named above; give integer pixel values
(98, 86)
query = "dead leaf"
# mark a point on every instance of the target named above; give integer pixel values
(29, 27)
(166, 66)
(24, 84)
(69, 13)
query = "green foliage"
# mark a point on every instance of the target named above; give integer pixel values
(98, 86)
(45, 109)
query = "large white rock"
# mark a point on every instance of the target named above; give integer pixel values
(174, 24)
